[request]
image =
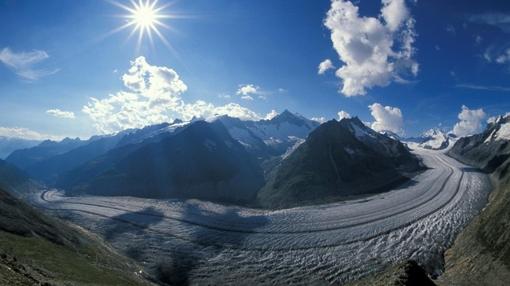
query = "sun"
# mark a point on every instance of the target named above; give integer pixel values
(145, 18)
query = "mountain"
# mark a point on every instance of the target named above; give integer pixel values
(14, 180)
(69, 156)
(338, 159)
(487, 150)
(436, 139)
(481, 253)
(199, 161)
(47, 149)
(273, 137)
(10, 144)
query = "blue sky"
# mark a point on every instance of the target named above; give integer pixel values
(276, 46)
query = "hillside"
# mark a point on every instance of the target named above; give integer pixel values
(481, 253)
(10, 144)
(201, 161)
(15, 180)
(338, 159)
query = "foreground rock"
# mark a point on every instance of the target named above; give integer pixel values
(405, 274)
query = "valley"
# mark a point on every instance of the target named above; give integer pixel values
(197, 242)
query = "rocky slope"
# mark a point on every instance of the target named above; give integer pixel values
(481, 253)
(404, 274)
(338, 159)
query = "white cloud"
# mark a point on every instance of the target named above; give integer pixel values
(22, 63)
(504, 57)
(205, 110)
(325, 65)
(375, 51)
(395, 13)
(343, 114)
(478, 39)
(271, 115)
(60, 113)
(24, 133)
(500, 20)
(483, 87)
(247, 89)
(224, 95)
(320, 119)
(470, 122)
(451, 29)
(247, 97)
(387, 118)
(153, 95)
(492, 119)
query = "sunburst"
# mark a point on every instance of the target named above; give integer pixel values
(145, 18)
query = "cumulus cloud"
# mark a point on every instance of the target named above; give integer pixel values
(22, 63)
(325, 65)
(205, 110)
(60, 113)
(247, 89)
(470, 122)
(271, 115)
(153, 95)
(343, 114)
(375, 50)
(24, 133)
(387, 118)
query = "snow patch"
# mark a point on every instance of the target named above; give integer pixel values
(503, 132)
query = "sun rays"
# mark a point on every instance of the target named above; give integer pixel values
(146, 18)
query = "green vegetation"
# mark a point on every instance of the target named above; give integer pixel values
(31, 260)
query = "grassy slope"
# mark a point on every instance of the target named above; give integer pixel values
(31, 260)
(37, 249)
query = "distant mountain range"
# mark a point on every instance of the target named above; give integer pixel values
(201, 161)
(338, 159)
(434, 139)
(11, 144)
(226, 160)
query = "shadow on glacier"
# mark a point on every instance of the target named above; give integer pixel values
(402, 184)
(471, 170)
(132, 222)
(176, 268)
